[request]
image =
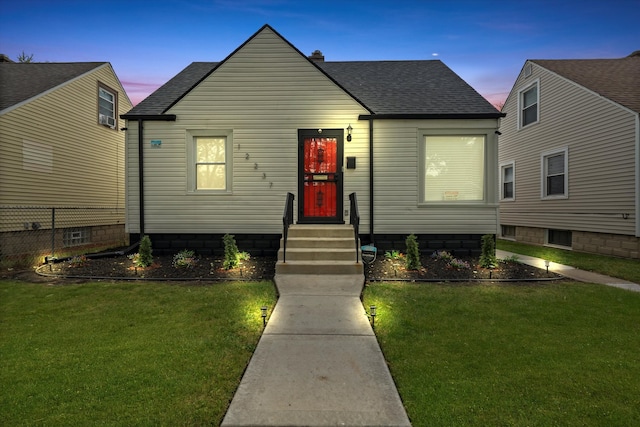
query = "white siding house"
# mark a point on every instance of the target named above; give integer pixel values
(569, 156)
(61, 158)
(218, 147)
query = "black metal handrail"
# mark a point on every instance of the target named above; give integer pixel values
(354, 220)
(287, 220)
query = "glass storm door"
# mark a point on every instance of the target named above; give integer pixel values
(320, 186)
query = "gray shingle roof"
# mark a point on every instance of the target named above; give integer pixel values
(22, 81)
(385, 87)
(615, 79)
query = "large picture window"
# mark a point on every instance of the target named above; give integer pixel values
(453, 168)
(211, 163)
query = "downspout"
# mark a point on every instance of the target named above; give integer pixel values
(141, 175)
(371, 197)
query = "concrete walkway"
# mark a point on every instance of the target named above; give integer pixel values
(572, 272)
(318, 362)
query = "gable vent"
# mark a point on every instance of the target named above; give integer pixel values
(527, 70)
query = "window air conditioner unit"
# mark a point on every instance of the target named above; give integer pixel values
(107, 121)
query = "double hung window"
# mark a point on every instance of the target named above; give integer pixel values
(107, 106)
(528, 105)
(507, 181)
(554, 174)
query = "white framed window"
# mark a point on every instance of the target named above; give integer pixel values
(210, 161)
(555, 174)
(508, 231)
(107, 106)
(508, 181)
(452, 168)
(529, 105)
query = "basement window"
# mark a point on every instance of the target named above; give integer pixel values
(76, 236)
(559, 238)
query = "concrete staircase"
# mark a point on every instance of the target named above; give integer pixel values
(320, 249)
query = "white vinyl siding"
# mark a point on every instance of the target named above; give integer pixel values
(397, 180)
(53, 152)
(260, 96)
(600, 137)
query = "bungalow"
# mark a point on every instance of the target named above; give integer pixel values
(569, 156)
(61, 158)
(217, 149)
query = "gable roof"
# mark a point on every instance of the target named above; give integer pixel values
(407, 89)
(20, 82)
(615, 79)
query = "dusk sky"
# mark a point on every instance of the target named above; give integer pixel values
(485, 42)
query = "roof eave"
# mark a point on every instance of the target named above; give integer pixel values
(431, 116)
(150, 117)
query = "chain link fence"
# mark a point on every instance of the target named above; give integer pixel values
(29, 235)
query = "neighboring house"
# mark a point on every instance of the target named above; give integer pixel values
(217, 148)
(570, 156)
(61, 157)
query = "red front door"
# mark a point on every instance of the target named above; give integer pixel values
(321, 170)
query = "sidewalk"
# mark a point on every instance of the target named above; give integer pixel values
(572, 272)
(318, 362)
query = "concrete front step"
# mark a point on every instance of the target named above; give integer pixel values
(318, 254)
(321, 230)
(318, 267)
(320, 242)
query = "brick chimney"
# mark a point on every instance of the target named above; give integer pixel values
(317, 56)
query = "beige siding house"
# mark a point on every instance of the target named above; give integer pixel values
(61, 157)
(569, 156)
(218, 147)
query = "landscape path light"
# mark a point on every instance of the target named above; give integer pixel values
(263, 310)
(372, 312)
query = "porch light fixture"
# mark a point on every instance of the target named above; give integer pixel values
(372, 313)
(263, 310)
(349, 129)
(546, 264)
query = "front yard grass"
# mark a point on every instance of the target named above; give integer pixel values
(622, 268)
(125, 353)
(561, 353)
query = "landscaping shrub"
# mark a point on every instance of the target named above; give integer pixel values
(143, 258)
(413, 253)
(184, 259)
(488, 257)
(231, 253)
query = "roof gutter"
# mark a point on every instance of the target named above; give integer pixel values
(141, 120)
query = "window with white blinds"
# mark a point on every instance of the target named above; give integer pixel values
(453, 168)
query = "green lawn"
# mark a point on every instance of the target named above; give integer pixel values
(125, 353)
(622, 268)
(551, 354)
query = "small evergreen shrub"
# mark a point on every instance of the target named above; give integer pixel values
(231, 253)
(143, 258)
(413, 253)
(488, 256)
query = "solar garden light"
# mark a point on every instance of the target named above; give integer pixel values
(263, 310)
(372, 312)
(546, 264)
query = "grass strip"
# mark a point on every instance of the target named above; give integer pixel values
(511, 354)
(125, 353)
(622, 268)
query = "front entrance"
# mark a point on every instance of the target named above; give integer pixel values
(320, 153)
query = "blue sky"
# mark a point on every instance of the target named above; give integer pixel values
(485, 42)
